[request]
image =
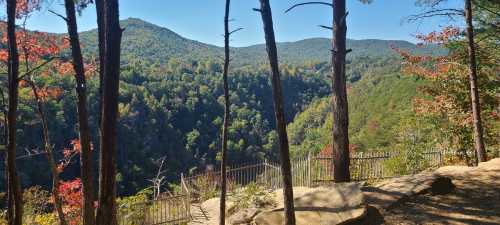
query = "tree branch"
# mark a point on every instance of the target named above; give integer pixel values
(326, 27)
(59, 15)
(236, 30)
(37, 67)
(436, 12)
(308, 3)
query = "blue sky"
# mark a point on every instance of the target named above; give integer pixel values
(202, 19)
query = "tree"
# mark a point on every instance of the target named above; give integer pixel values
(84, 130)
(106, 209)
(445, 100)
(40, 95)
(474, 92)
(340, 133)
(15, 198)
(267, 20)
(433, 11)
(339, 98)
(227, 105)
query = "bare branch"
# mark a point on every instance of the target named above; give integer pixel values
(37, 67)
(326, 27)
(59, 15)
(257, 10)
(451, 13)
(236, 30)
(308, 3)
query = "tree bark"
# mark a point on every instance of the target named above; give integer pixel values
(83, 124)
(267, 20)
(15, 197)
(474, 92)
(101, 44)
(222, 215)
(339, 94)
(106, 209)
(50, 156)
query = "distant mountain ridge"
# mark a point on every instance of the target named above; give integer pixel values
(146, 41)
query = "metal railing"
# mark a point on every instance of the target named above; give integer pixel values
(174, 209)
(307, 171)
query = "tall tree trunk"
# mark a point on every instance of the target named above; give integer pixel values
(50, 156)
(474, 92)
(222, 215)
(99, 6)
(267, 20)
(106, 209)
(83, 123)
(15, 197)
(339, 94)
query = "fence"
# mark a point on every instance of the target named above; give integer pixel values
(306, 171)
(166, 210)
(311, 171)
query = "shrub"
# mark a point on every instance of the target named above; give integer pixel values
(252, 196)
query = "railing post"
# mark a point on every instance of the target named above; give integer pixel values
(309, 172)
(265, 174)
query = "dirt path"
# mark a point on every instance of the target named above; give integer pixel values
(476, 200)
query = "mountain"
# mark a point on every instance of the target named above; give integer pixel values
(146, 41)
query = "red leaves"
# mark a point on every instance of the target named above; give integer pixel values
(72, 198)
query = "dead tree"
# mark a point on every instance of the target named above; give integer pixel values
(227, 105)
(83, 123)
(159, 179)
(15, 197)
(267, 20)
(106, 209)
(474, 92)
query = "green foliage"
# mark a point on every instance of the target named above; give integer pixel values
(252, 196)
(377, 104)
(171, 102)
(36, 201)
(133, 208)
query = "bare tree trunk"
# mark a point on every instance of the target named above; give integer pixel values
(267, 20)
(15, 196)
(83, 124)
(222, 215)
(101, 43)
(106, 209)
(50, 156)
(474, 92)
(339, 94)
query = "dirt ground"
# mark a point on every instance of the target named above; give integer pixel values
(475, 200)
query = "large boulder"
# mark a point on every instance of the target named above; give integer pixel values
(337, 204)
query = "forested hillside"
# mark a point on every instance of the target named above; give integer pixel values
(147, 42)
(171, 103)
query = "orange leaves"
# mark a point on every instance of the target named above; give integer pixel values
(433, 67)
(25, 7)
(441, 37)
(46, 93)
(64, 68)
(70, 153)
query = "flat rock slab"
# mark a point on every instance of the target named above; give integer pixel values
(388, 193)
(337, 204)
